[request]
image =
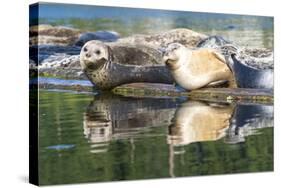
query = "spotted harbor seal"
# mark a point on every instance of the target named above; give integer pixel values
(193, 69)
(247, 75)
(110, 65)
(249, 71)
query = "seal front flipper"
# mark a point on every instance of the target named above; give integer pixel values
(217, 83)
(219, 56)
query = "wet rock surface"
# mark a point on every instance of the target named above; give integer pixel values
(66, 36)
(104, 36)
(56, 61)
(186, 37)
(47, 34)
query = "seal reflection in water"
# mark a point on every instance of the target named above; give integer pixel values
(196, 121)
(110, 117)
(246, 120)
(193, 69)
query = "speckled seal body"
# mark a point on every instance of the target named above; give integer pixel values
(112, 64)
(252, 77)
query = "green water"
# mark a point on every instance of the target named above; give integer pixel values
(87, 138)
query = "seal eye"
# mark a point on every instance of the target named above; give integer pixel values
(85, 49)
(97, 52)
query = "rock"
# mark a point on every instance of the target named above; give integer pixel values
(66, 36)
(47, 34)
(57, 61)
(105, 36)
(212, 42)
(42, 52)
(62, 66)
(206, 94)
(186, 37)
(258, 52)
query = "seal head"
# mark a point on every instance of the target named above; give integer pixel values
(95, 55)
(172, 54)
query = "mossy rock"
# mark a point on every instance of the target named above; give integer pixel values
(208, 94)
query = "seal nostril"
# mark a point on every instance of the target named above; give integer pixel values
(88, 55)
(85, 49)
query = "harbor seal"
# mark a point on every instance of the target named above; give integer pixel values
(193, 69)
(249, 76)
(249, 71)
(110, 65)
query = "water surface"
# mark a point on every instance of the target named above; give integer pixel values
(86, 138)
